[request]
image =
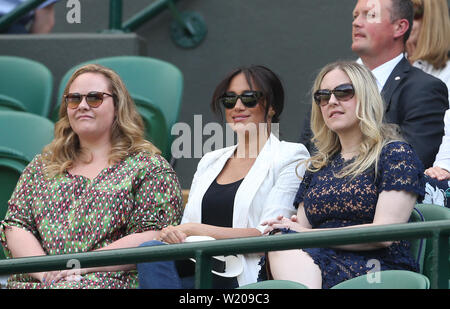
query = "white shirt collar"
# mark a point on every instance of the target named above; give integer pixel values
(383, 71)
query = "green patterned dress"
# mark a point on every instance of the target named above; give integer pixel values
(71, 214)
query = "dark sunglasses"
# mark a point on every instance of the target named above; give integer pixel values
(342, 92)
(248, 98)
(93, 99)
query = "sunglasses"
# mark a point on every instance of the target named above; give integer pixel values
(248, 98)
(93, 99)
(342, 92)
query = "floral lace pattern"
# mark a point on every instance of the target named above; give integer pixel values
(332, 202)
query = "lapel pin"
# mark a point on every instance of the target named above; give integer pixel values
(397, 78)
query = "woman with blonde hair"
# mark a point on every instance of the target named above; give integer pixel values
(361, 175)
(429, 43)
(99, 185)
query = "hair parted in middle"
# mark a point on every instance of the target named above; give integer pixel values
(127, 135)
(369, 110)
(258, 77)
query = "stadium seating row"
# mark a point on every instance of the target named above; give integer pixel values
(156, 87)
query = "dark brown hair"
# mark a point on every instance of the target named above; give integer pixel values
(258, 77)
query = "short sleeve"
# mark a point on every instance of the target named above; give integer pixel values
(400, 169)
(158, 198)
(304, 185)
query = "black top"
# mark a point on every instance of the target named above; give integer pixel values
(217, 210)
(218, 202)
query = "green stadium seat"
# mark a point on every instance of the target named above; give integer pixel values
(274, 284)
(25, 133)
(155, 124)
(23, 136)
(25, 85)
(432, 213)
(388, 279)
(418, 245)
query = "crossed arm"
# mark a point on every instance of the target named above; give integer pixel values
(392, 207)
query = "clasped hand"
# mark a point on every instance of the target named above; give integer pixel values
(51, 277)
(438, 173)
(173, 234)
(282, 222)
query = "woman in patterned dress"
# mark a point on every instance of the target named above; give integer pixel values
(98, 186)
(361, 175)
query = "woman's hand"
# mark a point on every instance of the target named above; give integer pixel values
(50, 277)
(173, 234)
(281, 222)
(438, 173)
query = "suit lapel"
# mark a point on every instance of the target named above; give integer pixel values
(398, 74)
(251, 183)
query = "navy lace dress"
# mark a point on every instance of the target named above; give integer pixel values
(332, 202)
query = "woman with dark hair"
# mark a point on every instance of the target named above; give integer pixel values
(236, 188)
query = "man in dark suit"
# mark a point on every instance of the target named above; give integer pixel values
(414, 100)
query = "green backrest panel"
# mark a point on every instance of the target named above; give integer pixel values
(418, 245)
(155, 124)
(388, 279)
(28, 82)
(431, 213)
(25, 132)
(22, 136)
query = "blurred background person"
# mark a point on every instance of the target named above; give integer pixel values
(429, 43)
(41, 20)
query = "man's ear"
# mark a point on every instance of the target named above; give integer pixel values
(401, 26)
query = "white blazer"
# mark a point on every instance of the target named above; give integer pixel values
(443, 157)
(267, 191)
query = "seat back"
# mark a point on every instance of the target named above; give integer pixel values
(273, 285)
(11, 168)
(155, 124)
(10, 171)
(24, 132)
(154, 80)
(432, 213)
(387, 279)
(23, 135)
(27, 83)
(417, 245)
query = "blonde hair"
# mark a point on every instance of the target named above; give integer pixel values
(127, 135)
(433, 41)
(369, 111)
